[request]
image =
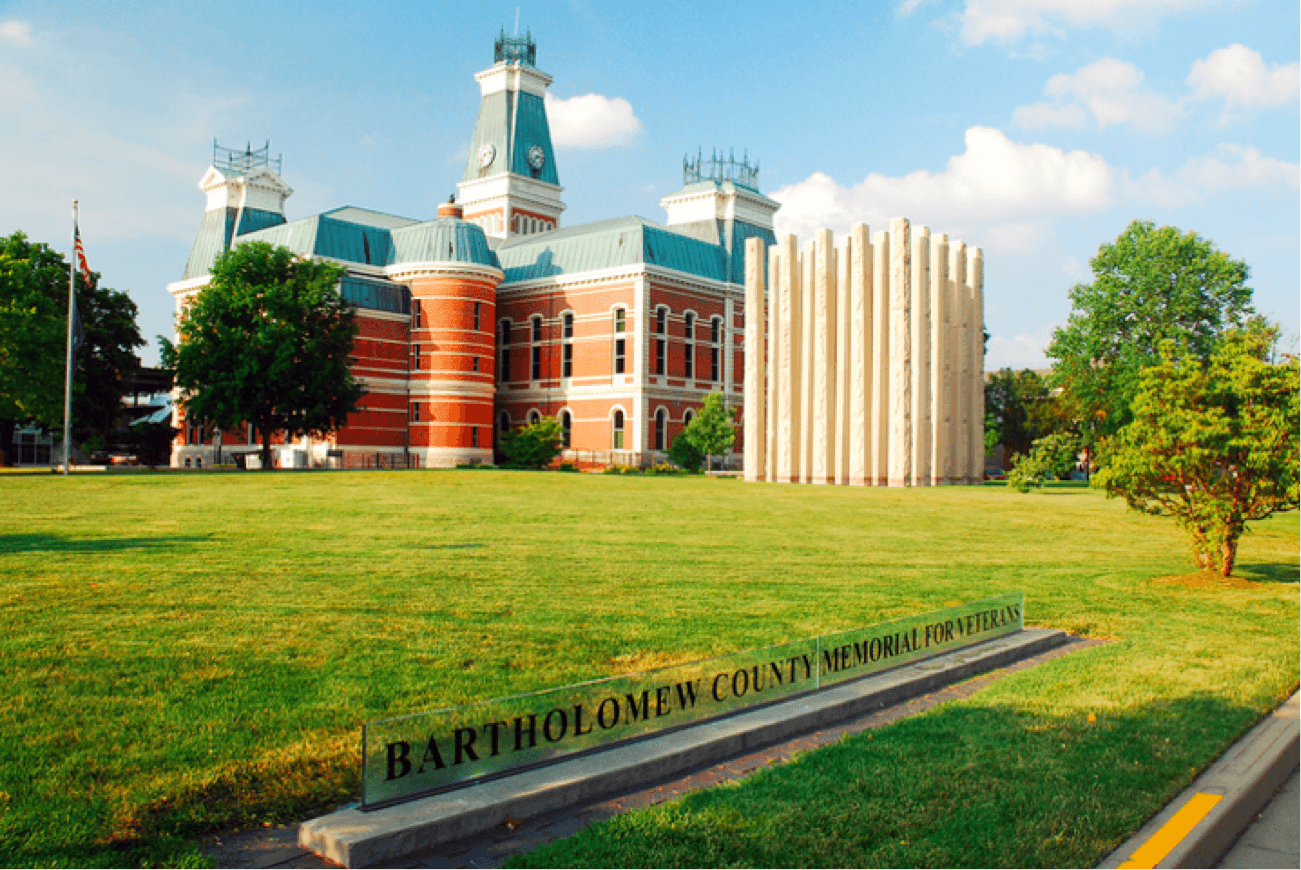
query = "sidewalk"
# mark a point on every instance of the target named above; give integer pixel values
(1224, 806)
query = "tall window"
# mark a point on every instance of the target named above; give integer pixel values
(503, 370)
(618, 430)
(715, 352)
(478, 313)
(415, 357)
(567, 350)
(689, 354)
(535, 364)
(474, 436)
(503, 422)
(415, 314)
(687, 418)
(661, 425)
(661, 355)
(661, 320)
(566, 428)
(620, 324)
(534, 417)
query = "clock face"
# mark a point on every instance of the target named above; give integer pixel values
(487, 154)
(537, 157)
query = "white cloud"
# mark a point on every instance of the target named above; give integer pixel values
(592, 121)
(1036, 116)
(1021, 351)
(1072, 269)
(1230, 167)
(1008, 21)
(1015, 239)
(17, 32)
(1111, 90)
(1239, 75)
(995, 181)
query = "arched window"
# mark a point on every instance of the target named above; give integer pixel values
(661, 428)
(617, 440)
(566, 428)
(534, 417)
(687, 418)
(503, 421)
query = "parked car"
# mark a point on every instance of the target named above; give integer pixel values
(995, 474)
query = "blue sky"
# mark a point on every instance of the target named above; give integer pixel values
(1036, 129)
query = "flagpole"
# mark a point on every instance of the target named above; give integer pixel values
(67, 378)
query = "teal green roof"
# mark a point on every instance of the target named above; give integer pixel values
(216, 231)
(369, 217)
(512, 122)
(440, 240)
(605, 244)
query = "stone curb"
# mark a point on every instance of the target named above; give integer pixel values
(357, 839)
(1244, 777)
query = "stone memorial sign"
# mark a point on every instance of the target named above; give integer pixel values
(410, 756)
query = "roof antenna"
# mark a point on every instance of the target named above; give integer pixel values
(517, 21)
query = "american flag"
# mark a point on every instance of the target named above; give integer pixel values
(79, 264)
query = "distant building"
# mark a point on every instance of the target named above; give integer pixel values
(493, 314)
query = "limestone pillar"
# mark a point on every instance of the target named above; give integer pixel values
(941, 365)
(921, 357)
(976, 280)
(756, 374)
(843, 353)
(808, 323)
(824, 358)
(858, 314)
(790, 356)
(962, 379)
(901, 428)
(774, 397)
(879, 436)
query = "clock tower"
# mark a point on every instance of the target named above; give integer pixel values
(511, 187)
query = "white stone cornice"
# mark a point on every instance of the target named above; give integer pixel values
(261, 188)
(188, 287)
(681, 280)
(512, 77)
(443, 269)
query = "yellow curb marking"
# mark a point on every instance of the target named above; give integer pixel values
(1162, 843)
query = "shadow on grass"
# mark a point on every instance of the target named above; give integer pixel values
(960, 786)
(1269, 573)
(41, 542)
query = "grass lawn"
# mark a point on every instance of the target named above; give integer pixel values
(184, 653)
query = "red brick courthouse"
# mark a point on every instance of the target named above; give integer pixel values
(494, 313)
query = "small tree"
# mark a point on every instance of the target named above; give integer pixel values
(1215, 445)
(712, 431)
(1050, 458)
(684, 454)
(267, 343)
(532, 446)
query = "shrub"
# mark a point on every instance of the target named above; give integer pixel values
(532, 446)
(685, 454)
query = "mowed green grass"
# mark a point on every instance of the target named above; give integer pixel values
(187, 653)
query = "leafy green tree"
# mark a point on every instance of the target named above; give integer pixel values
(713, 430)
(1149, 286)
(685, 455)
(33, 336)
(267, 343)
(1011, 399)
(1212, 444)
(1051, 458)
(532, 446)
